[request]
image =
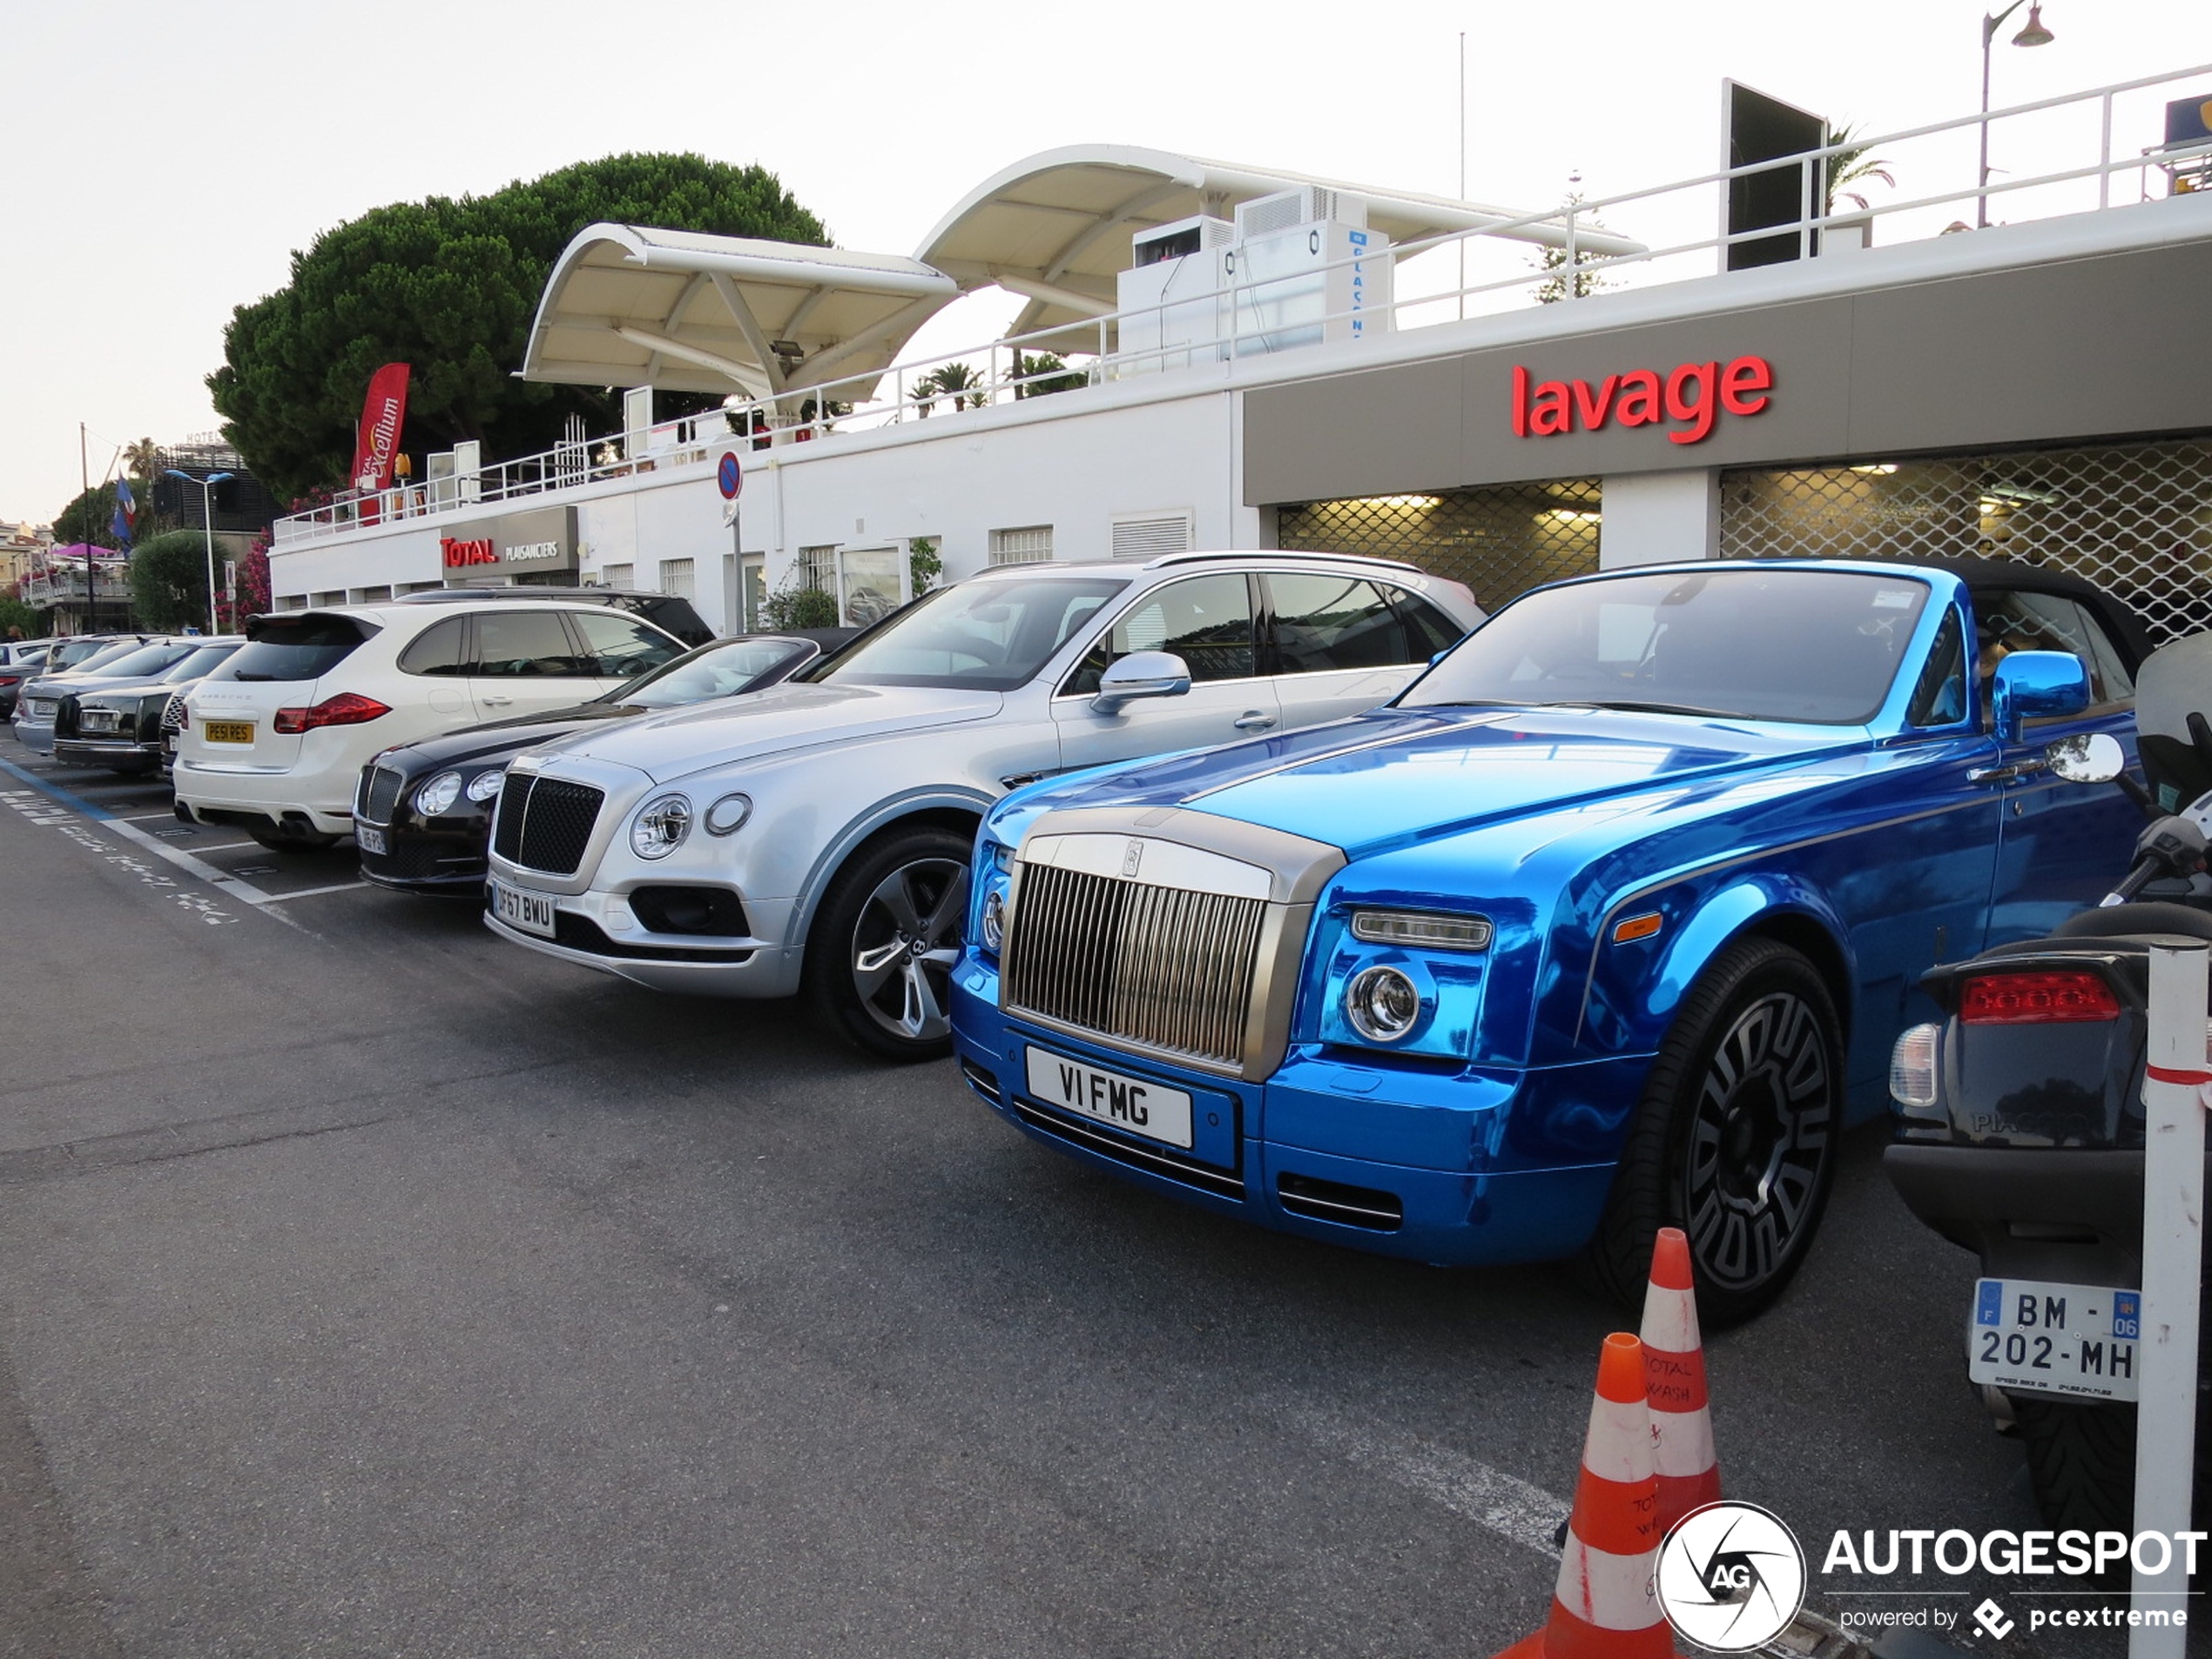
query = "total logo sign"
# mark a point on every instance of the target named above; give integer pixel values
(1692, 396)
(477, 549)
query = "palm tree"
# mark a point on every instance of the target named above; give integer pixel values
(1851, 165)
(960, 383)
(143, 458)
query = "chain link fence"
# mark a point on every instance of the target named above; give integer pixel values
(1500, 540)
(2136, 519)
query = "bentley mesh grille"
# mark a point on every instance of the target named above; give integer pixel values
(545, 823)
(173, 712)
(1165, 966)
(379, 792)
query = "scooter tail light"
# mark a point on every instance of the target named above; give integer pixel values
(2048, 997)
(347, 708)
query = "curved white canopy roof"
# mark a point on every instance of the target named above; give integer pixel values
(626, 305)
(1057, 228)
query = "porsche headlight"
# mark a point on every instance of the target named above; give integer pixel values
(435, 799)
(1382, 1003)
(486, 786)
(660, 826)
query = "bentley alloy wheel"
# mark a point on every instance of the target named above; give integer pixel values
(880, 956)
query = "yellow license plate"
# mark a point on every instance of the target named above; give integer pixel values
(227, 730)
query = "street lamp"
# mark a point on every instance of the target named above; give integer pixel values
(208, 517)
(2034, 35)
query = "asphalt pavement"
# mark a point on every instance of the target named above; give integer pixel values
(370, 1286)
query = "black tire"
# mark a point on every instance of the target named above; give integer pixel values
(2081, 1460)
(1735, 1139)
(880, 953)
(288, 838)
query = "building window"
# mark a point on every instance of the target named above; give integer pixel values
(869, 589)
(417, 587)
(1500, 541)
(676, 577)
(1030, 545)
(818, 568)
(1148, 536)
(2128, 517)
(618, 576)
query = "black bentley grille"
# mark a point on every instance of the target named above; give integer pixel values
(545, 823)
(173, 712)
(1165, 967)
(379, 792)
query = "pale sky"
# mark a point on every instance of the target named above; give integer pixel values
(163, 162)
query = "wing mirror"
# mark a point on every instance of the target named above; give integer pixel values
(1140, 674)
(2086, 757)
(2037, 685)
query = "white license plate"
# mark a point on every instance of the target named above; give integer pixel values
(369, 839)
(99, 720)
(531, 912)
(39, 704)
(2054, 1338)
(1109, 1097)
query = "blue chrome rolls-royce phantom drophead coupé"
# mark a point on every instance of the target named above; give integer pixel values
(1605, 924)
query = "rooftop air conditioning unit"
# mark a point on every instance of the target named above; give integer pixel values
(1174, 310)
(1307, 205)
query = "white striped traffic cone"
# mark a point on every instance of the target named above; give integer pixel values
(1674, 1359)
(1603, 1605)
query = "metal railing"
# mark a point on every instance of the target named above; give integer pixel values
(50, 588)
(1583, 229)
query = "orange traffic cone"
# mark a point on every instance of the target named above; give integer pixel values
(1603, 1605)
(1674, 1359)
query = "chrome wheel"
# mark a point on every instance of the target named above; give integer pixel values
(905, 940)
(1760, 1131)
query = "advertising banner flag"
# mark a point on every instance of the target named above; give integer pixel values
(378, 440)
(126, 514)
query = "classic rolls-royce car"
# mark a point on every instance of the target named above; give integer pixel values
(1605, 924)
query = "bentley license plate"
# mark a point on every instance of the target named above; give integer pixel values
(531, 912)
(227, 731)
(2054, 1338)
(1130, 1103)
(369, 839)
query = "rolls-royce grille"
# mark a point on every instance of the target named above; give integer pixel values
(1165, 966)
(545, 823)
(380, 793)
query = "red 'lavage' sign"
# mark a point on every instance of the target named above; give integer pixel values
(1695, 396)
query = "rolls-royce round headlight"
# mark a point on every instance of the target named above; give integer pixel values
(435, 799)
(1382, 1004)
(486, 786)
(727, 816)
(660, 826)
(993, 921)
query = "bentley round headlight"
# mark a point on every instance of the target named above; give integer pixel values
(486, 786)
(727, 816)
(660, 826)
(1382, 1004)
(436, 798)
(993, 921)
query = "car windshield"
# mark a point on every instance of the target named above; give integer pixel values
(1756, 643)
(89, 653)
(719, 670)
(143, 664)
(987, 636)
(202, 660)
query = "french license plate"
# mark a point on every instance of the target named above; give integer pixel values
(1108, 1097)
(531, 912)
(99, 719)
(227, 731)
(40, 705)
(369, 839)
(2054, 1338)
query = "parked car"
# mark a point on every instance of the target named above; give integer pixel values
(118, 724)
(134, 658)
(77, 651)
(19, 663)
(422, 815)
(671, 613)
(818, 832)
(1605, 925)
(275, 739)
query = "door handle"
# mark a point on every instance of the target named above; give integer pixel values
(495, 701)
(1253, 720)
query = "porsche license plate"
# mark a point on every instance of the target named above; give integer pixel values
(227, 731)
(530, 912)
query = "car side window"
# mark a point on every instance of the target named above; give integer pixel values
(521, 644)
(1206, 620)
(439, 649)
(618, 647)
(1940, 697)
(1428, 630)
(1326, 622)
(2017, 619)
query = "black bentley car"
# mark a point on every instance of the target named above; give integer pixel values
(422, 815)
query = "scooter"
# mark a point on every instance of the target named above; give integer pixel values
(2019, 1130)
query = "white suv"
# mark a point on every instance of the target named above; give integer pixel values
(275, 740)
(818, 832)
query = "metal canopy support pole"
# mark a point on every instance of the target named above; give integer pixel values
(2172, 1267)
(207, 522)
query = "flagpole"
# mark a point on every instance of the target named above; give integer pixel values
(84, 477)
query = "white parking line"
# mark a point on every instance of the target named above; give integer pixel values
(142, 818)
(1495, 1500)
(310, 893)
